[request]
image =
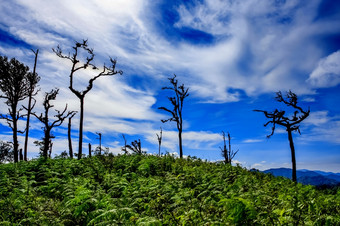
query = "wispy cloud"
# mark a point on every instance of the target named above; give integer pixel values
(327, 73)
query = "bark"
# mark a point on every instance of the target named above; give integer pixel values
(180, 144)
(15, 134)
(29, 109)
(292, 149)
(69, 138)
(80, 148)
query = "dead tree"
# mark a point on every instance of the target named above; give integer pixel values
(15, 88)
(90, 151)
(176, 113)
(124, 147)
(100, 143)
(278, 117)
(70, 148)
(76, 66)
(136, 147)
(49, 125)
(33, 79)
(159, 138)
(227, 153)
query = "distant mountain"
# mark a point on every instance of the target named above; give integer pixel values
(317, 178)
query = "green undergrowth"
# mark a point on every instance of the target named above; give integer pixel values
(152, 190)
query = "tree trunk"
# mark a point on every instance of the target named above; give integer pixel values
(27, 125)
(15, 135)
(80, 148)
(292, 149)
(29, 107)
(21, 155)
(229, 151)
(46, 143)
(180, 143)
(90, 155)
(69, 138)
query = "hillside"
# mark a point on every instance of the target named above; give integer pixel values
(317, 178)
(151, 190)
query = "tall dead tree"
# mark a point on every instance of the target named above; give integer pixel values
(227, 153)
(78, 65)
(69, 137)
(176, 113)
(49, 125)
(278, 117)
(33, 79)
(15, 88)
(159, 138)
(100, 143)
(124, 147)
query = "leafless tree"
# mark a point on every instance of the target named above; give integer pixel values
(76, 66)
(135, 147)
(227, 153)
(70, 148)
(124, 147)
(100, 143)
(159, 138)
(33, 79)
(278, 117)
(176, 113)
(15, 88)
(49, 125)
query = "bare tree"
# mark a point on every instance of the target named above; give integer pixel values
(15, 88)
(176, 113)
(124, 147)
(100, 143)
(159, 138)
(70, 148)
(49, 125)
(227, 153)
(76, 66)
(136, 147)
(291, 124)
(33, 79)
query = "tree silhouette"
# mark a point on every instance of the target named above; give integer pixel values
(76, 66)
(33, 79)
(70, 148)
(159, 138)
(228, 154)
(49, 125)
(100, 142)
(177, 102)
(135, 147)
(15, 88)
(291, 124)
(124, 147)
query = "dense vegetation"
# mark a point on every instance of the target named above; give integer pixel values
(152, 190)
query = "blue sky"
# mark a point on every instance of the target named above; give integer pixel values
(233, 55)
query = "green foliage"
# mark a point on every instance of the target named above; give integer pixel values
(153, 190)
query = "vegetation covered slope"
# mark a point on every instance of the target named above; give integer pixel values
(151, 190)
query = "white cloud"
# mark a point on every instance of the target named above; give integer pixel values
(317, 118)
(252, 141)
(327, 73)
(270, 50)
